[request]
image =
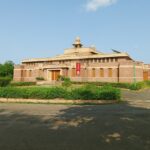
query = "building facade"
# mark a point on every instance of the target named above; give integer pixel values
(84, 64)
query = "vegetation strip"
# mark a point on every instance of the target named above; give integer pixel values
(55, 101)
(131, 86)
(83, 93)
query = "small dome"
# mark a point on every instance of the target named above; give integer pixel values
(77, 43)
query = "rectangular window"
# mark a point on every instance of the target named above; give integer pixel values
(101, 72)
(110, 72)
(85, 72)
(73, 73)
(40, 72)
(24, 73)
(93, 72)
(30, 73)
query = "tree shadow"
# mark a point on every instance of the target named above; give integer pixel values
(115, 127)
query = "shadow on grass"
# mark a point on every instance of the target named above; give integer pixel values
(110, 127)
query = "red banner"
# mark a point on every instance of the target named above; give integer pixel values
(78, 68)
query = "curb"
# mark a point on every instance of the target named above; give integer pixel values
(56, 101)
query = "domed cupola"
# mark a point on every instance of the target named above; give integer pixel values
(77, 43)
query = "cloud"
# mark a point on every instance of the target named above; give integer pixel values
(94, 5)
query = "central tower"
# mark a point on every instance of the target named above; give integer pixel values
(77, 43)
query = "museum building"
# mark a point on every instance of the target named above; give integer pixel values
(83, 64)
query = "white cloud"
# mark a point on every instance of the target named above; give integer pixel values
(93, 5)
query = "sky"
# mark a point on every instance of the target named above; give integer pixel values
(44, 28)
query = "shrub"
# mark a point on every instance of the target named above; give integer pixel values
(108, 93)
(22, 83)
(35, 93)
(39, 78)
(80, 93)
(147, 83)
(83, 93)
(4, 81)
(95, 93)
(66, 82)
(60, 78)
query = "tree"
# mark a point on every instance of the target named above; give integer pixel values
(6, 69)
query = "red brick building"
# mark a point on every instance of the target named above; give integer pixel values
(84, 64)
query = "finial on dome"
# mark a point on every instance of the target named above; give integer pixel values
(77, 43)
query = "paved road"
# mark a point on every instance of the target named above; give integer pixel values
(137, 98)
(136, 95)
(59, 127)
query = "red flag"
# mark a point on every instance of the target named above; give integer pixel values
(78, 68)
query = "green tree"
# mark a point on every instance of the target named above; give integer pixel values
(6, 69)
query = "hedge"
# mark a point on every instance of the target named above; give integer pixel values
(95, 93)
(39, 78)
(4, 81)
(84, 93)
(22, 83)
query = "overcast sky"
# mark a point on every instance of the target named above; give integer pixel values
(44, 28)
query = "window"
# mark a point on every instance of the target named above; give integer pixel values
(40, 72)
(110, 72)
(30, 73)
(101, 72)
(24, 73)
(93, 72)
(85, 72)
(65, 72)
(116, 60)
(73, 73)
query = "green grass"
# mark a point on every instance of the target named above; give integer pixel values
(131, 86)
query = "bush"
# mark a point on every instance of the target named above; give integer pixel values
(22, 83)
(60, 78)
(66, 82)
(90, 92)
(147, 83)
(39, 78)
(108, 93)
(35, 93)
(4, 81)
(83, 93)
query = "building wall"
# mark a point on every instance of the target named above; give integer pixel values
(92, 70)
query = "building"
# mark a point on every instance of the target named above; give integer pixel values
(84, 64)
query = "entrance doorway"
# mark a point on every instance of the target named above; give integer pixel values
(145, 75)
(55, 74)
